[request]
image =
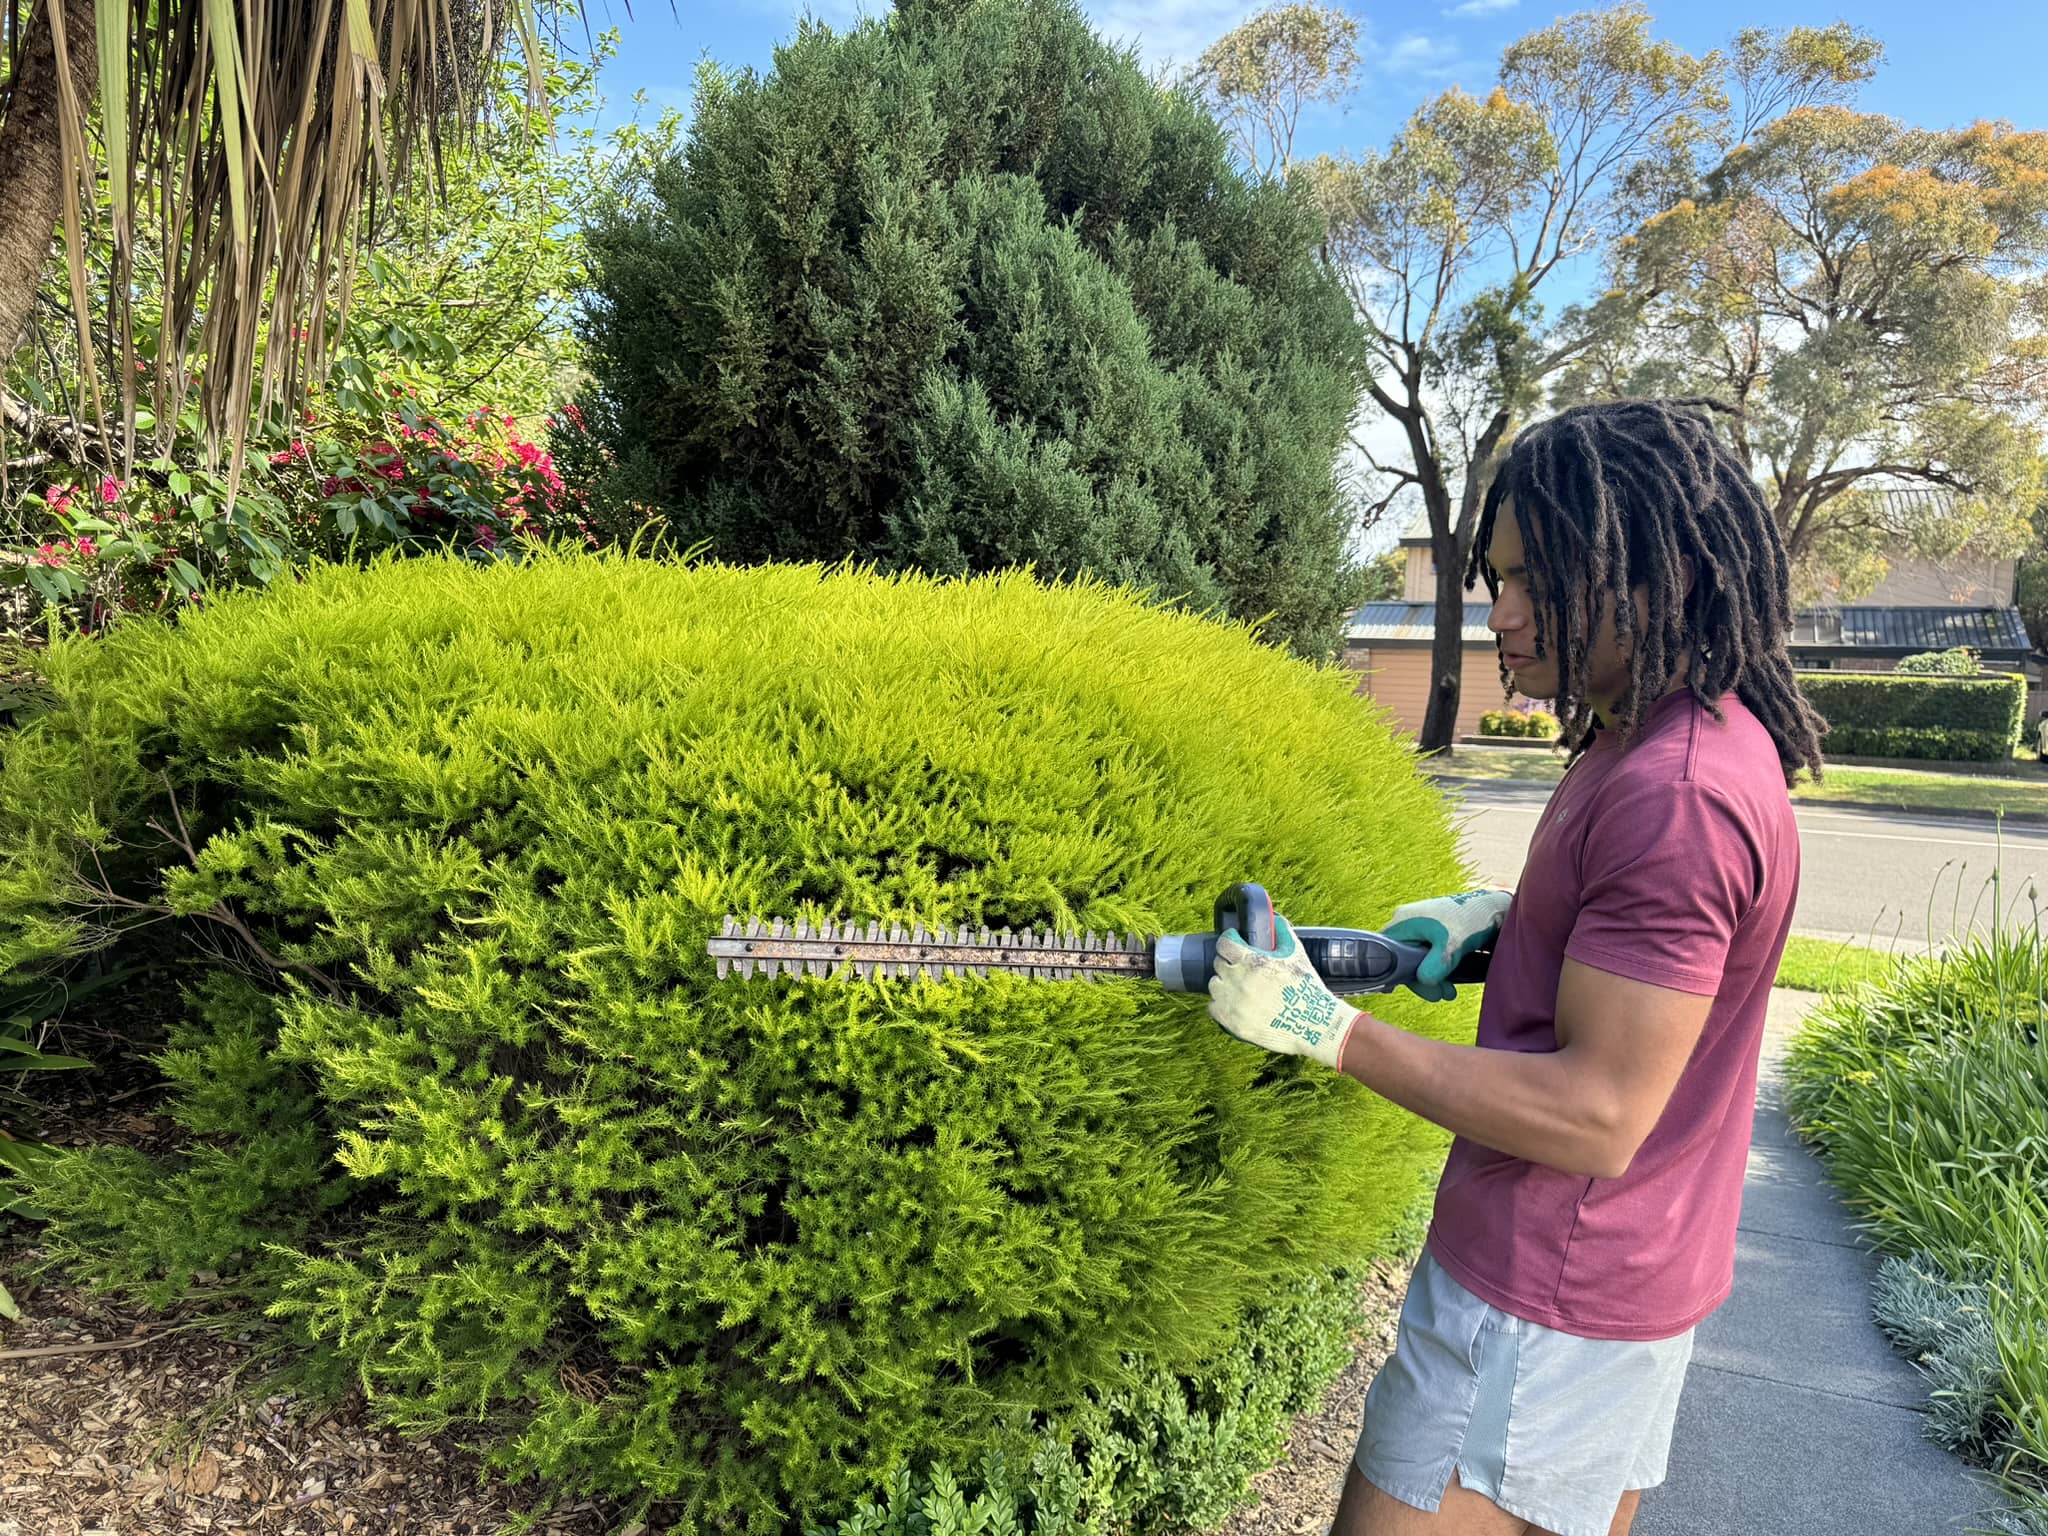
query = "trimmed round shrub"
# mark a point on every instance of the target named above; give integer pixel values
(1956, 661)
(1517, 722)
(469, 1101)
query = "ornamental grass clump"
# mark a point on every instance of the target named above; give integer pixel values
(1925, 1095)
(466, 1101)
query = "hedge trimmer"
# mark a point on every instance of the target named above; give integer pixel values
(1348, 959)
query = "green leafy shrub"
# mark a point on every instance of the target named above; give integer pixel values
(1885, 715)
(1167, 1453)
(1956, 661)
(1516, 722)
(522, 1162)
(1001, 300)
(1924, 1095)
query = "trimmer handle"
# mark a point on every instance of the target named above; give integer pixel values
(1348, 959)
(1248, 909)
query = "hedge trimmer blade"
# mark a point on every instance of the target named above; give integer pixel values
(782, 948)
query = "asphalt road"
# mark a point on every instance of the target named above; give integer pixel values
(1871, 876)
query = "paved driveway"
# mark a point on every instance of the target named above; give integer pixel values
(1868, 875)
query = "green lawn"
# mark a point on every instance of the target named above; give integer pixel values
(1891, 788)
(1822, 965)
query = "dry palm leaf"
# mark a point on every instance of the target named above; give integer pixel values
(243, 135)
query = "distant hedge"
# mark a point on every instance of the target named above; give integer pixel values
(1885, 715)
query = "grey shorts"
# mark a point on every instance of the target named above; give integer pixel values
(1551, 1427)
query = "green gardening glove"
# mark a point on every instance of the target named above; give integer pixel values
(1452, 927)
(1274, 998)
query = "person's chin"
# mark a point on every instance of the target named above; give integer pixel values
(1533, 679)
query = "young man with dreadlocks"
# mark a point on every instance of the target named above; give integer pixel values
(1585, 1220)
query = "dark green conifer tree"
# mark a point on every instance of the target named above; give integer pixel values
(963, 289)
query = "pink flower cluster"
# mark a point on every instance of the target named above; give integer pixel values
(298, 450)
(57, 553)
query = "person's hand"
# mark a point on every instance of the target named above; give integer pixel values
(1275, 999)
(1452, 927)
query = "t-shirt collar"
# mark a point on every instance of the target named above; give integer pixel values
(1606, 736)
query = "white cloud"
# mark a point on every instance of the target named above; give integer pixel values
(1417, 55)
(1482, 7)
(1172, 35)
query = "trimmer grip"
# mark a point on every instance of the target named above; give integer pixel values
(1470, 971)
(1360, 960)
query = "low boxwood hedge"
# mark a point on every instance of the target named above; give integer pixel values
(463, 1099)
(1873, 714)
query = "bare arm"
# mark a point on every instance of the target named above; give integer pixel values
(1584, 1108)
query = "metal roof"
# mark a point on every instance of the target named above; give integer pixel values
(1906, 631)
(1993, 632)
(1413, 624)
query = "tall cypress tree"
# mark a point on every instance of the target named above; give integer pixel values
(962, 289)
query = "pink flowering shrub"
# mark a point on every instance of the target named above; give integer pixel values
(346, 484)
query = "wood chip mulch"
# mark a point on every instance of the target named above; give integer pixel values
(114, 1422)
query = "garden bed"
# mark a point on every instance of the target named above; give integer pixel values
(130, 1420)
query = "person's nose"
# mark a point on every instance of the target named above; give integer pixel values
(1508, 615)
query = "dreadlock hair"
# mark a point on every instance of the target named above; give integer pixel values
(1621, 494)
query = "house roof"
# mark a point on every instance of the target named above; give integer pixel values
(1417, 531)
(1413, 624)
(1996, 633)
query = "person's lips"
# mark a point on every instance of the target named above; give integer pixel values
(1516, 660)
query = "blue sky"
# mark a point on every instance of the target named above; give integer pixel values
(1948, 62)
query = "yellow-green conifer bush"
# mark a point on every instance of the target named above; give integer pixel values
(466, 1097)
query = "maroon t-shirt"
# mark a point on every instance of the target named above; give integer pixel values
(1675, 862)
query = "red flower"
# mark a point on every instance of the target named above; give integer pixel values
(110, 490)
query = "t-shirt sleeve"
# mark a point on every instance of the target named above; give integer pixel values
(1667, 873)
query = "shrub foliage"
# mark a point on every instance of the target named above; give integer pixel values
(962, 289)
(1518, 722)
(481, 1117)
(1924, 1094)
(1880, 715)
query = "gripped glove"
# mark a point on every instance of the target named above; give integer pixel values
(1275, 999)
(1452, 927)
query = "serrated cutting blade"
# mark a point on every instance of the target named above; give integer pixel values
(841, 949)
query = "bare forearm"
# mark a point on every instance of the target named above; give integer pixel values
(1525, 1104)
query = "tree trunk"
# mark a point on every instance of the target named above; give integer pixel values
(32, 161)
(1447, 648)
(1452, 545)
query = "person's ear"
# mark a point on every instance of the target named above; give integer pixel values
(1685, 574)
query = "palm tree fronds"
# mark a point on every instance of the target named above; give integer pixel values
(243, 136)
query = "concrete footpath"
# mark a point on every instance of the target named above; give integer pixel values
(1798, 1418)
